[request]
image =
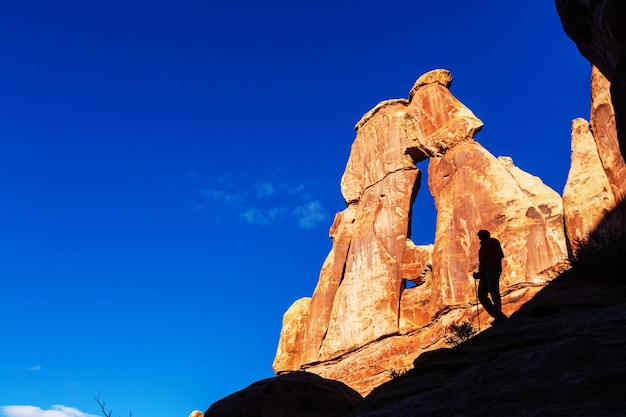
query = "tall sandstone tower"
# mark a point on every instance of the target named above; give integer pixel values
(363, 325)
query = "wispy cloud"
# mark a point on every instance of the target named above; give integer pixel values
(261, 217)
(310, 214)
(264, 189)
(32, 411)
(263, 201)
(224, 195)
(34, 368)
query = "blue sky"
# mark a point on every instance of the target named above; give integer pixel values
(170, 171)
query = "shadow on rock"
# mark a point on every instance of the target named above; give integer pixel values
(296, 394)
(559, 354)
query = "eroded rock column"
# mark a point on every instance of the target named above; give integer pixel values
(361, 321)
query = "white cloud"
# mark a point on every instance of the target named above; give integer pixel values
(264, 189)
(262, 217)
(32, 411)
(293, 189)
(262, 201)
(34, 368)
(269, 189)
(310, 214)
(253, 216)
(221, 195)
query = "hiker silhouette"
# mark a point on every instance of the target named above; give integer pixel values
(489, 270)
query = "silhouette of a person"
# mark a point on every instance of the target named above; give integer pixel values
(489, 270)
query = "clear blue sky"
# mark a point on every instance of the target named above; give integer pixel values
(169, 172)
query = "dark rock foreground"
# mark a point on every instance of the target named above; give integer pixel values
(561, 354)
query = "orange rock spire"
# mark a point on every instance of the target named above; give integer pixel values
(361, 321)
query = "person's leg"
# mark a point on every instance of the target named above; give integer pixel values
(494, 292)
(483, 297)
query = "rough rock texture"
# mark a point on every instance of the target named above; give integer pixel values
(297, 394)
(597, 28)
(474, 190)
(365, 307)
(357, 296)
(362, 323)
(375, 363)
(597, 178)
(602, 122)
(331, 276)
(561, 354)
(416, 262)
(587, 196)
(295, 320)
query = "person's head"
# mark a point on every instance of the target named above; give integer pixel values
(483, 235)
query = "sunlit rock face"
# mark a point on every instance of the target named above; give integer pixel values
(330, 278)
(357, 296)
(474, 190)
(596, 181)
(602, 122)
(365, 307)
(561, 354)
(587, 195)
(295, 322)
(362, 323)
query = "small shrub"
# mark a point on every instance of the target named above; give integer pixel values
(581, 251)
(394, 374)
(460, 333)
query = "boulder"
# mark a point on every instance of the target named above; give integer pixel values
(297, 394)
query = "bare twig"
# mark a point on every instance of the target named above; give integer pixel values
(106, 413)
(102, 405)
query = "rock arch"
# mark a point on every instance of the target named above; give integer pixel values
(360, 308)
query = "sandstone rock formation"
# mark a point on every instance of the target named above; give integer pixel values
(587, 196)
(474, 190)
(597, 28)
(362, 323)
(596, 182)
(602, 122)
(295, 321)
(297, 394)
(561, 354)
